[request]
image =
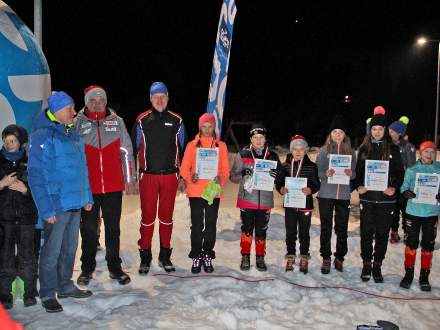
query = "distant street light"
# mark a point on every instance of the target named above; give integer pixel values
(422, 41)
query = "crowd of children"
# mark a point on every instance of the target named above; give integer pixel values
(380, 211)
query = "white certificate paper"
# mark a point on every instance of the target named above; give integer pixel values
(207, 163)
(295, 196)
(426, 188)
(339, 163)
(376, 174)
(261, 179)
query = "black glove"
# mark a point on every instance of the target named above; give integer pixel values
(437, 197)
(408, 194)
(247, 171)
(273, 172)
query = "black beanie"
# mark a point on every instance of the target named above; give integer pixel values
(378, 118)
(19, 132)
(338, 122)
(257, 128)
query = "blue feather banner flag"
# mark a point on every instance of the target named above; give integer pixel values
(219, 76)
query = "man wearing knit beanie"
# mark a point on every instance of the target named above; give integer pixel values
(111, 169)
(159, 138)
(59, 183)
(397, 131)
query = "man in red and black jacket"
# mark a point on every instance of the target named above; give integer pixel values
(160, 140)
(111, 171)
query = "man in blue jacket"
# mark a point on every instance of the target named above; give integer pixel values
(59, 183)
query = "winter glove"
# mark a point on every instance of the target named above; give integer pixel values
(247, 171)
(408, 194)
(273, 173)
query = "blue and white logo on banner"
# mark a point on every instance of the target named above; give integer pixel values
(24, 73)
(219, 76)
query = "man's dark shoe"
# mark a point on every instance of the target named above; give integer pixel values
(75, 293)
(52, 306)
(29, 301)
(120, 276)
(84, 278)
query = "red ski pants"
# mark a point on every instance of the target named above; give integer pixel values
(157, 189)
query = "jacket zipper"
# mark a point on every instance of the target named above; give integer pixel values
(100, 157)
(337, 188)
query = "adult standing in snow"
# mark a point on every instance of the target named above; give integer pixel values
(377, 207)
(421, 217)
(255, 205)
(298, 220)
(160, 140)
(334, 197)
(111, 171)
(397, 131)
(59, 183)
(18, 216)
(204, 214)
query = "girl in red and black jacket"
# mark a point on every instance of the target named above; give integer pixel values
(298, 164)
(377, 207)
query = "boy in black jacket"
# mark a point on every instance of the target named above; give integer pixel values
(18, 216)
(298, 164)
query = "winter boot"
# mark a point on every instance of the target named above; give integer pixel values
(394, 237)
(339, 264)
(84, 278)
(245, 262)
(407, 279)
(207, 263)
(425, 265)
(119, 275)
(261, 265)
(424, 280)
(325, 267)
(146, 257)
(366, 271)
(304, 264)
(196, 265)
(165, 261)
(290, 261)
(377, 272)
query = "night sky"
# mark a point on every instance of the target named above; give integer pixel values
(289, 67)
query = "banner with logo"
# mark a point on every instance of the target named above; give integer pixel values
(219, 76)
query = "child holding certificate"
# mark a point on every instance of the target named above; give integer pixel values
(421, 187)
(202, 154)
(298, 219)
(379, 175)
(336, 163)
(254, 202)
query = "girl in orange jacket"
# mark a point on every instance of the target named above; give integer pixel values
(203, 214)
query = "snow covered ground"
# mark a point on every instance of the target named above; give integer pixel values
(226, 300)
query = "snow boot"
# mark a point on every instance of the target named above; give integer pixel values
(325, 267)
(196, 265)
(394, 237)
(304, 264)
(425, 265)
(119, 275)
(207, 263)
(52, 306)
(261, 265)
(407, 279)
(377, 272)
(245, 262)
(7, 301)
(146, 257)
(366, 271)
(29, 301)
(424, 280)
(84, 278)
(290, 261)
(165, 261)
(339, 264)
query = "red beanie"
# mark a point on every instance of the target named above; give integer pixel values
(207, 118)
(427, 144)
